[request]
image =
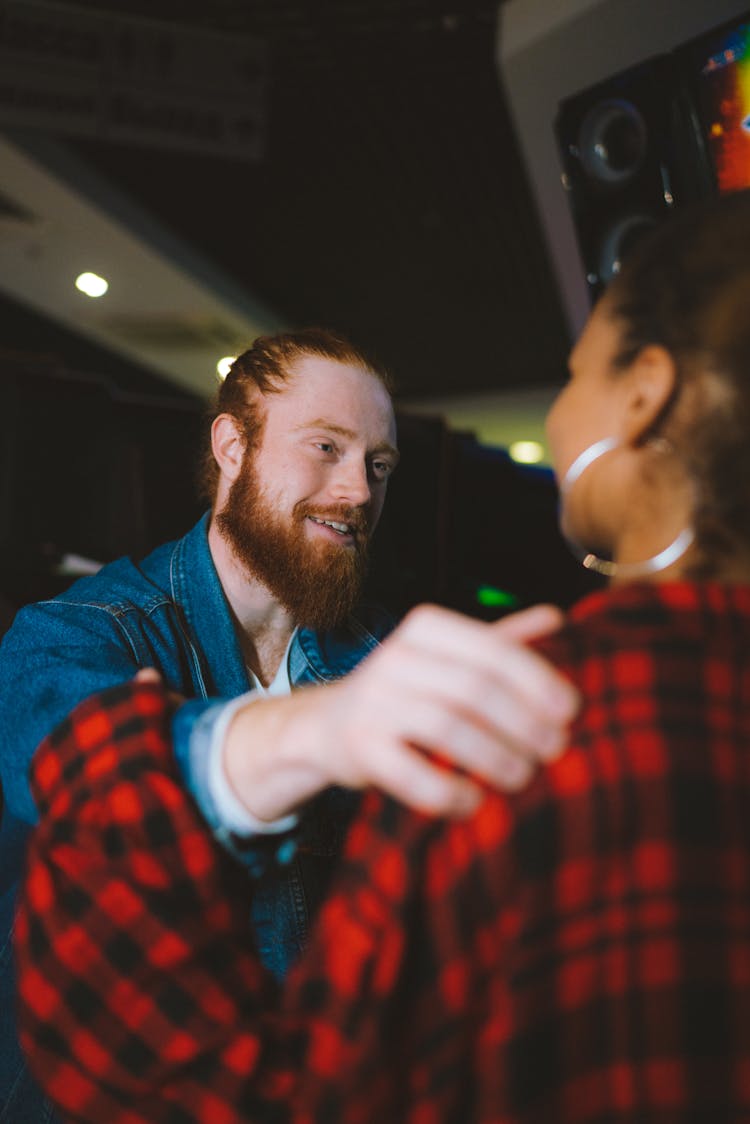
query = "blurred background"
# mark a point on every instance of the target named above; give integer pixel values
(450, 183)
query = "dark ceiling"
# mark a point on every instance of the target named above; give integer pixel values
(390, 202)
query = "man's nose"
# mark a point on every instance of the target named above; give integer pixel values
(351, 483)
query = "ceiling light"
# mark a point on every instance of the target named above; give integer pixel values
(224, 365)
(91, 284)
(527, 452)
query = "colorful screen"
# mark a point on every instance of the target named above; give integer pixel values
(725, 102)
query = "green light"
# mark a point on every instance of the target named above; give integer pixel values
(493, 598)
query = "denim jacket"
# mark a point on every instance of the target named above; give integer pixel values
(168, 612)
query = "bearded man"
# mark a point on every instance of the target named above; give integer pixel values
(260, 599)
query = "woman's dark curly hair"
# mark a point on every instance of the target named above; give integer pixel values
(686, 287)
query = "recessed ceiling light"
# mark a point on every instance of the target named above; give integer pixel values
(91, 284)
(527, 452)
(224, 365)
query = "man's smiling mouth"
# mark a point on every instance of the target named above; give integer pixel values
(340, 528)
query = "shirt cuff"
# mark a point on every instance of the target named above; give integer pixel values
(230, 810)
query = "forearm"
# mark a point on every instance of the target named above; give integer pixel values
(275, 752)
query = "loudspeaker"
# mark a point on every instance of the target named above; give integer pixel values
(631, 150)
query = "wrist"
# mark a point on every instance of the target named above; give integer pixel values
(272, 755)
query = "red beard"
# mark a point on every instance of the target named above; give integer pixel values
(319, 582)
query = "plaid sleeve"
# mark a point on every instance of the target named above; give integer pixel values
(141, 998)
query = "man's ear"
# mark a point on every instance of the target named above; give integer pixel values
(650, 384)
(228, 445)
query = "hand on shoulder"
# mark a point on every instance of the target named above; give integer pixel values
(441, 686)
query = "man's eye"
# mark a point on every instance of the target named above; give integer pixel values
(382, 468)
(324, 446)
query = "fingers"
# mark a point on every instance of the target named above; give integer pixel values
(528, 624)
(462, 734)
(485, 670)
(151, 675)
(542, 683)
(442, 728)
(407, 775)
(147, 675)
(429, 692)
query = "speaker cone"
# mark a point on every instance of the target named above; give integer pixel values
(619, 241)
(612, 142)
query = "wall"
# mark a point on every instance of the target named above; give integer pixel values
(550, 49)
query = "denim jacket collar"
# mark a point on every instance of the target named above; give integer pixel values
(197, 591)
(330, 655)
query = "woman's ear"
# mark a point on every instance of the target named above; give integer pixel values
(650, 383)
(228, 445)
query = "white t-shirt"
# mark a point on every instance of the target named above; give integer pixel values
(233, 812)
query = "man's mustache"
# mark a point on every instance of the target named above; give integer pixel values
(357, 518)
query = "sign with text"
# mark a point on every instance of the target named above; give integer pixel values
(69, 70)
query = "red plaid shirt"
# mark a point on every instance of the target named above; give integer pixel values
(576, 952)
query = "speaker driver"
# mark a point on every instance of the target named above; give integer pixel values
(612, 142)
(619, 240)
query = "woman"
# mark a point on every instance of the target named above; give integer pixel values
(578, 951)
